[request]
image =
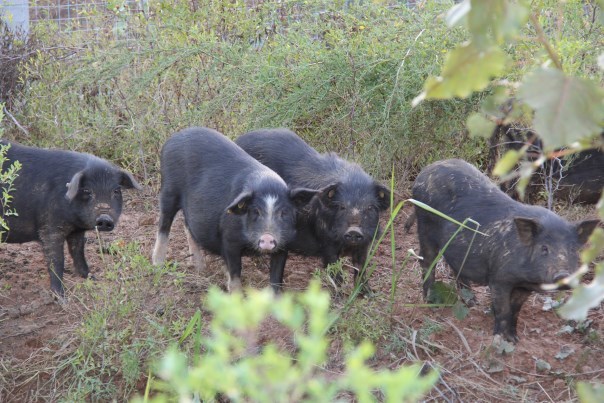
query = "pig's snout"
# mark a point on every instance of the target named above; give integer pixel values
(267, 243)
(354, 235)
(561, 276)
(104, 222)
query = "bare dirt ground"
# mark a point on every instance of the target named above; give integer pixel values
(31, 322)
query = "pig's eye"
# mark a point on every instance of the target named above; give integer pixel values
(544, 250)
(117, 191)
(86, 194)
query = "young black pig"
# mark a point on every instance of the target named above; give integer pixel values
(58, 196)
(525, 246)
(232, 204)
(342, 219)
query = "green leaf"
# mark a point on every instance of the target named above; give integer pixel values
(492, 105)
(585, 297)
(460, 310)
(502, 18)
(193, 323)
(446, 217)
(443, 293)
(506, 163)
(466, 69)
(527, 169)
(566, 108)
(596, 246)
(588, 392)
(479, 126)
(458, 12)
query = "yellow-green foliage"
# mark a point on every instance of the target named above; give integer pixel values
(343, 77)
(234, 366)
(8, 173)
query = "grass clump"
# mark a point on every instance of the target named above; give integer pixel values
(126, 320)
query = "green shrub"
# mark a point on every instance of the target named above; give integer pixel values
(8, 174)
(125, 323)
(234, 366)
(342, 77)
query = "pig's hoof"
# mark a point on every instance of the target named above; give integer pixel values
(60, 299)
(91, 277)
(505, 337)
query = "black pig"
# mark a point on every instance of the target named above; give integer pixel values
(342, 219)
(58, 196)
(578, 177)
(232, 204)
(525, 246)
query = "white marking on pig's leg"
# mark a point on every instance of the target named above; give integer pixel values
(160, 249)
(233, 284)
(198, 257)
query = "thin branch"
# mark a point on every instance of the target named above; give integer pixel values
(23, 129)
(541, 36)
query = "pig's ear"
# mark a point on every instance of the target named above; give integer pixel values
(328, 193)
(302, 196)
(585, 228)
(239, 205)
(383, 196)
(128, 181)
(74, 185)
(527, 228)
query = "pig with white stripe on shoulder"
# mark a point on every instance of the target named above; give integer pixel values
(343, 218)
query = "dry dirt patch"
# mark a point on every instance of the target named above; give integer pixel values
(34, 328)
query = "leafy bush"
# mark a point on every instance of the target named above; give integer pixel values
(125, 323)
(8, 174)
(233, 364)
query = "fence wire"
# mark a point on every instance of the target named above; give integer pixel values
(78, 14)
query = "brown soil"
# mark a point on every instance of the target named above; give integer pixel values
(31, 321)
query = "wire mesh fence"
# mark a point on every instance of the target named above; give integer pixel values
(69, 15)
(79, 14)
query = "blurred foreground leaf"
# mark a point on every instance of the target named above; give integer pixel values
(585, 297)
(506, 163)
(567, 109)
(479, 126)
(237, 366)
(501, 18)
(467, 69)
(589, 392)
